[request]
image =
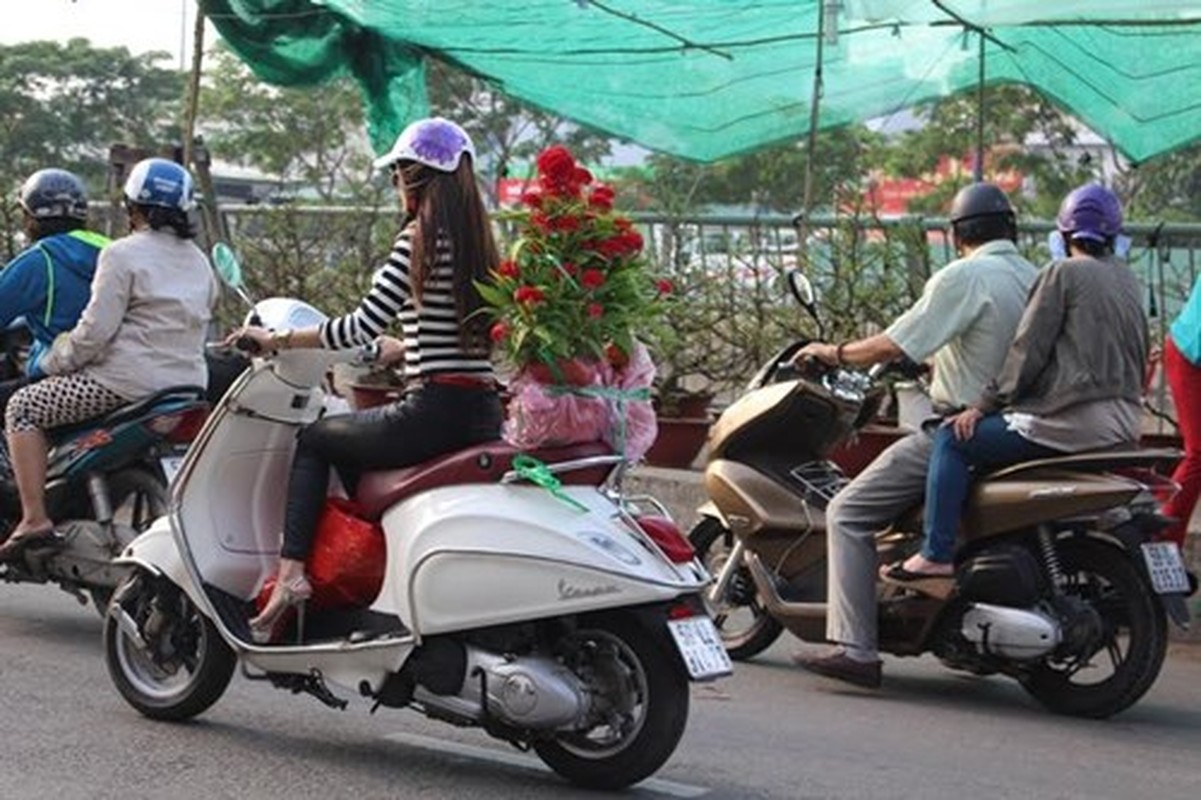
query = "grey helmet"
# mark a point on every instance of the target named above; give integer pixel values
(54, 194)
(979, 200)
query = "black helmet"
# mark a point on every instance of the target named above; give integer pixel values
(979, 200)
(54, 194)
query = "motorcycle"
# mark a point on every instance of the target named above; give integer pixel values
(532, 599)
(1058, 580)
(106, 481)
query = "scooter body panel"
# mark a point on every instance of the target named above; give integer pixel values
(453, 551)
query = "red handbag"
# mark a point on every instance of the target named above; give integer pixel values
(346, 565)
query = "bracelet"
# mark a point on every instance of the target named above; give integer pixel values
(838, 361)
(281, 340)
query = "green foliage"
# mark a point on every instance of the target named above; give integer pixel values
(65, 104)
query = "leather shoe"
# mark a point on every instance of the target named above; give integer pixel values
(840, 666)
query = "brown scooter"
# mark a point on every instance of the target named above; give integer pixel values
(1057, 580)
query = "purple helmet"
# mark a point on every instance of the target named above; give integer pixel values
(1090, 212)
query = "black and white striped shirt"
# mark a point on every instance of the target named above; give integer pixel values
(430, 333)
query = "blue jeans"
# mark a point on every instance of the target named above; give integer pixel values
(949, 480)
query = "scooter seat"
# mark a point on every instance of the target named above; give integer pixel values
(1101, 460)
(484, 463)
(174, 394)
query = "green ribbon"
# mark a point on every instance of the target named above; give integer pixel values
(618, 397)
(537, 473)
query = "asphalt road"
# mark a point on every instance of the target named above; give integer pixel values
(771, 731)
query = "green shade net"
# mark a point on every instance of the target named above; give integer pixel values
(708, 79)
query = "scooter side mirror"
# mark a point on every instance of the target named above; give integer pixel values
(229, 269)
(802, 289)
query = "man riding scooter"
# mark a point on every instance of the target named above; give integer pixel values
(964, 322)
(49, 283)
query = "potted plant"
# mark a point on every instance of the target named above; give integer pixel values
(569, 303)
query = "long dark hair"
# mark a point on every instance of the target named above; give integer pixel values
(448, 204)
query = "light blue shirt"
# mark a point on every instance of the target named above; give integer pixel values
(1186, 329)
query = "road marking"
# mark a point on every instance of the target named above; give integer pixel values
(521, 761)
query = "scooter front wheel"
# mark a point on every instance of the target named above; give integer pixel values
(745, 626)
(164, 656)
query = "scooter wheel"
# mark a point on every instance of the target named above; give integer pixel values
(745, 627)
(165, 657)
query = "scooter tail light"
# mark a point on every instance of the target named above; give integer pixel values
(668, 537)
(180, 427)
(1160, 487)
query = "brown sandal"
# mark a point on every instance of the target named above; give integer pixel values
(939, 586)
(15, 546)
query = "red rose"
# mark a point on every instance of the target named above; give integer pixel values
(532, 197)
(623, 223)
(592, 279)
(528, 295)
(566, 267)
(665, 286)
(540, 220)
(500, 331)
(565, 223)
(616, 356)
(595, 310)
(508, 269)
(581, 176)
(601, 197)
(556, 160)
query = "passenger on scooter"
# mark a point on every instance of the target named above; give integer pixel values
(1073, 379)
(429, 284)
(964, 322)
(142, 331)
(49, 283)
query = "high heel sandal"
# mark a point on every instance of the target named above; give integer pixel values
(287, 594)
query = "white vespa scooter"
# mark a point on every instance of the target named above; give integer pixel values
(551, 616)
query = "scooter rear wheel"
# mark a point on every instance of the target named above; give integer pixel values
(745, 626)
(640, 704)
(164, 656)
(1128, 653)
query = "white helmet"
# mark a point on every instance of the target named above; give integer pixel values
(162, 183)
(435, 142)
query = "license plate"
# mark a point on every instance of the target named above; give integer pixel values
(1166, 567)
(170, 465)
(701, 648)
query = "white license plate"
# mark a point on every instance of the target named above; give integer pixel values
(170, 465)
(701, 647)
(1166, 567)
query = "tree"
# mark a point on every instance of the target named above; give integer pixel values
(1167, 187)
(1012, 115)
(63, 105)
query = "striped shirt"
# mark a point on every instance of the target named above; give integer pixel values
(430, 332)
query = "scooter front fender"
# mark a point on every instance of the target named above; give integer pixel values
(155, 551)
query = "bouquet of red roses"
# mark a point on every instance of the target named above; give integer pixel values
(569, 303)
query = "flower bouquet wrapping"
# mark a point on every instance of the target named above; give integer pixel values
(568, 304)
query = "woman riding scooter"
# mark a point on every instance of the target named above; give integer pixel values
(428, 283)
(142, 331)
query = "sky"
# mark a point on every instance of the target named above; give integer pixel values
(140, 25)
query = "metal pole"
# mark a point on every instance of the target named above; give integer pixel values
(193, 102)
(802, 220)
(978, 168)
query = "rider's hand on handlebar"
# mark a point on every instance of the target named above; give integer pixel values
(964, 423)
(391, 350)
(251, 339)
(816, 351)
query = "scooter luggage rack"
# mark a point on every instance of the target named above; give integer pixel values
(821, 479)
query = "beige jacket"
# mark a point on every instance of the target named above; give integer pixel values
(144, 328)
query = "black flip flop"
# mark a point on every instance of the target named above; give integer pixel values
(15, 546)
(927, 583)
